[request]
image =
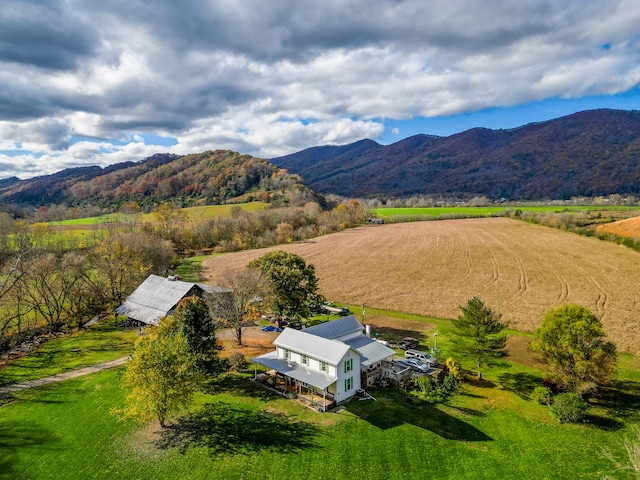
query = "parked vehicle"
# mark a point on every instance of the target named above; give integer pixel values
(416, 365)
(423, 356)
(408, 342)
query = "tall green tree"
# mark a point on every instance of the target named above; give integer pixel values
(479, 333)
(162, 375)
(193, 320)
(294, 284)
(572, 342)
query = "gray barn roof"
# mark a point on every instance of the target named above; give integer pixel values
(330, 351)
(337, 328)
(157, 296)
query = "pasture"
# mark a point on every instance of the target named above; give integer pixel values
(401, 214)
(431, 268)
(192, 214)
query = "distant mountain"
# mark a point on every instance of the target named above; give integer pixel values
(585, 154)
(212, 177)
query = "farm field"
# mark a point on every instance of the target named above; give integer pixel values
(489, 211)
(431, 268)
(629, 227)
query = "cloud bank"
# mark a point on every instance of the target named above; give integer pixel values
(84, 80)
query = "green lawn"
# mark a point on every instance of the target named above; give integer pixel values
(242, 431)
(98, 344)
(493, 429)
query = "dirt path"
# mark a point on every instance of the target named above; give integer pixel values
(62, 376)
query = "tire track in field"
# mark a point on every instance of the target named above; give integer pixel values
(494, 264)
(602, 297)
(522, 277)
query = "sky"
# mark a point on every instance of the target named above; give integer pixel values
(86, 82)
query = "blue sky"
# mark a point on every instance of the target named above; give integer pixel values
(96, 83)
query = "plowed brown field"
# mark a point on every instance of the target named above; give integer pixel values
(629, 227)
(520, 270)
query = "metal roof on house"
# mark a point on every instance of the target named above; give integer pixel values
(294, 370)
(330, 351)
(337, 328)
(370, 351)
(157, 296)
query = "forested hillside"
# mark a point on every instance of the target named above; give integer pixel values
(211, 177)
(586, 154)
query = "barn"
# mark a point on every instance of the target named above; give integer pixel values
(157, 297)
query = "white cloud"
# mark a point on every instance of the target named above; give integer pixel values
(271, 78)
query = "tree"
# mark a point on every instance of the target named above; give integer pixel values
(195, 323)
(572, 342)
(237, 309)
(480, 333)
(294, 284)
(119, 269)
(162, 375)
(49, 282)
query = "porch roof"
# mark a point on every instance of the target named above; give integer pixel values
(293, 370)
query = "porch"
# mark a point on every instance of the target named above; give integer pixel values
(310, 396)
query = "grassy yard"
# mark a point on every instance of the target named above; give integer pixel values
(98, 344)
(493, 429)
(242, 431)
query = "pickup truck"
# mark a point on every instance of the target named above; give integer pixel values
(408, 342)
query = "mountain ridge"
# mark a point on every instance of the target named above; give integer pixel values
(595, 152)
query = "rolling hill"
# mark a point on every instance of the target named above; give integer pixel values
(213, 177)
(585, 154)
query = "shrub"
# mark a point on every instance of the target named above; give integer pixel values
(237, 362)
(569, 408)
(433, 391)
(454, 368)
(542, 395)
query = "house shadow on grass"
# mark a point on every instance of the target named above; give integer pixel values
(225, 429)
(394, 409)
(522, 384)
(240, 384)
(18, 438)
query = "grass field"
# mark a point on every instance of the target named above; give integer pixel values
(488, 211)
(431, 268)
(66, 432)
(193, 213)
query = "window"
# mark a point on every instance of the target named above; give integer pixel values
(348, 365)
(323, 366)
(305, 360)
(348, 384)
(287, 354)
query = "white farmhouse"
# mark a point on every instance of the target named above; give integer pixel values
(325, 364)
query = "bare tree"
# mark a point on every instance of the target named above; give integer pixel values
(240, 307)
